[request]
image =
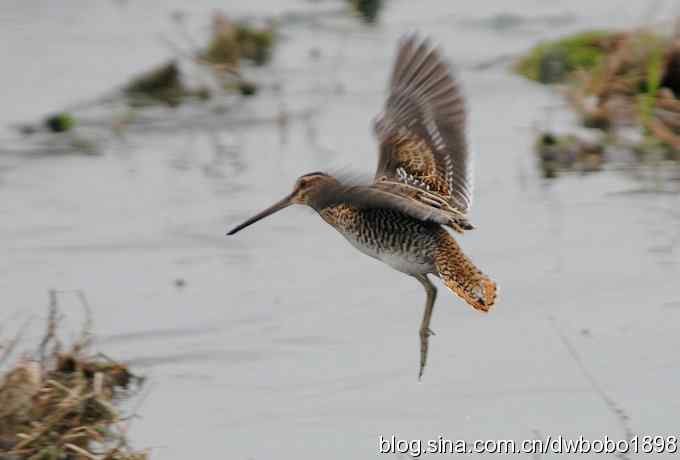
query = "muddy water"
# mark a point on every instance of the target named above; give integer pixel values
(284, 342)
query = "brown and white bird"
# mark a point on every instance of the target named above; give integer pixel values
(423, 184)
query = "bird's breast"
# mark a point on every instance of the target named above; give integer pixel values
(404, 243)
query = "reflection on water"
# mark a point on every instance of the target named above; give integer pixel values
(154, 334)
(218, 357)
(511, 22)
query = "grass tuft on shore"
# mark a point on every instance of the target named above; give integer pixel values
(64, 402)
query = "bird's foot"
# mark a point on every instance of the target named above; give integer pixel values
(425, 334)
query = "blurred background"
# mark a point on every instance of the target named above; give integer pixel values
(131, 140)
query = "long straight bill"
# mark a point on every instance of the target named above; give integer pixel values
(267, 212)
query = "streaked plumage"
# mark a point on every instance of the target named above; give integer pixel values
(423, 183)
(422, 130)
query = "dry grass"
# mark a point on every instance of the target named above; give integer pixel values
(635, 84)
(63, 404)
(627, 92)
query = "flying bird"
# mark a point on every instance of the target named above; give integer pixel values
(422, 186)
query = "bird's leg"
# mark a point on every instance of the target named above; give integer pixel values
(425, 331)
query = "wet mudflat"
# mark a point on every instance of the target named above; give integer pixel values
(287, 343)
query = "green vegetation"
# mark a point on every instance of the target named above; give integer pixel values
(60, 122)
(255, 43)
(553, 61)
(652, 65)
(618, 82)
(368, 10)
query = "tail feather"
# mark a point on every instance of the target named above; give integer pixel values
(461, 276)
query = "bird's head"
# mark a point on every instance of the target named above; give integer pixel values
(306, 188)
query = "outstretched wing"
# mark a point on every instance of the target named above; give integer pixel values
(421, 131)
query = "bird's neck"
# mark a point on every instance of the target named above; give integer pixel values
(323, 195)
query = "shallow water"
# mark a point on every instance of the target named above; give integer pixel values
(284, 341)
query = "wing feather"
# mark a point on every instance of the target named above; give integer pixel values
(409, 200)
(422, 128)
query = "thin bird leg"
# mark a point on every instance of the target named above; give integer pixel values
(425, 331)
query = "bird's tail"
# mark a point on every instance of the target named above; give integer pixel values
(461, 276)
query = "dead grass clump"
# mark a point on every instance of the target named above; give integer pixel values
(233, 41)
(623, 88)
(162, 84)
(562, 153)
(64, 404)
(618, 83)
